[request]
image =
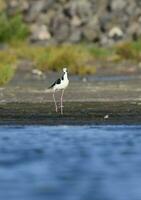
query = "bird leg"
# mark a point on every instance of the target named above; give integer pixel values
(55, 102)
(62, 102)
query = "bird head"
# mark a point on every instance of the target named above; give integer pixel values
(64, 70)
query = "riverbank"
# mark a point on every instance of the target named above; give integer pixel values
(89, 100)
(75, 113)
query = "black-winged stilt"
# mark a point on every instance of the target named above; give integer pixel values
(60, 84)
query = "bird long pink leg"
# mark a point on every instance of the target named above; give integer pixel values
(55, 102)
(62, 102)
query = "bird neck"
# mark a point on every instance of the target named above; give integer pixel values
(65, 75)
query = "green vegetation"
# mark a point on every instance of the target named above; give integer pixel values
(6, 73)
(100, 52)
(130, 50)
(7, 66)
(2, 5)
(12, 28)
(75, 57)
(80, 59)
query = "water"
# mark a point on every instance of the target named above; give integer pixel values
(70, 162)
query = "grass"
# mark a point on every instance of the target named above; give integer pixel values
(2, 5)
(6, 73)
(80, 58)
(77, 59)
(74, 57)
(8, 62)
(130, 50)
(12, 28)
(100, 52)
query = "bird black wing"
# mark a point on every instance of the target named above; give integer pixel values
(58, 81)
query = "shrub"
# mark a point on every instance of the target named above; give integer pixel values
(6, 73)
(130, 50)
(12, 28)
(72, 56)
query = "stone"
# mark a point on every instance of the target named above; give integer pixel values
(82, 9)
(76, 21)
(104, 40)
(118, 5)
(40, 32)
(102, 21)
(134, 30)
(115, 33)
(13, 3)
(91, 31)
(37, 7)
(76, 36)
(60, 28)
(45, 18)
(24, 6)
(130, 9)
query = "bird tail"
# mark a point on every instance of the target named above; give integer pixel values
(50, 87)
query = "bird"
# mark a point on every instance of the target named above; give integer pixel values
(60, 85)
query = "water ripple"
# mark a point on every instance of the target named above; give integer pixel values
(70, 162)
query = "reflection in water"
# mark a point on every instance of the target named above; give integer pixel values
(70, 162)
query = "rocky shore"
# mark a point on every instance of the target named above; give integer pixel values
(69, 21)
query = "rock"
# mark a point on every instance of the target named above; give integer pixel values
(117, 5)
(76, 21)
(134, 30)
(116, 33)
(60, 28)
(19, 5)
(40, 32)
(82, 9)
(37, 7)
(45, 18)
(104, 40)
(15, 6)
(75, 36)
(24, 6)
(91, 31)
(130, 9)
(38, 74)
(106, 116)
(104, 21)
(13, 3)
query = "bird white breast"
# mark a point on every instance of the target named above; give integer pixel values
(64, 83)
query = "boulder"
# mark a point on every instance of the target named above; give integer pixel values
(134, 30)
(75, 36)
(116, 33)
(76, 21)
(39, 33)
(117, 5)
(36, 8)
(60, 27)
(82, 9)
(91, 31)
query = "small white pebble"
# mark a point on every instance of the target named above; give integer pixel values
(37, 72)
(84, 79)
(106, 116)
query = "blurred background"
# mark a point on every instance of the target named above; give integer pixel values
(101, 37)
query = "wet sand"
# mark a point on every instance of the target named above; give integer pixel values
(75, 113)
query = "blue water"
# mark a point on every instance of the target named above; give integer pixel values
(70, 163)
